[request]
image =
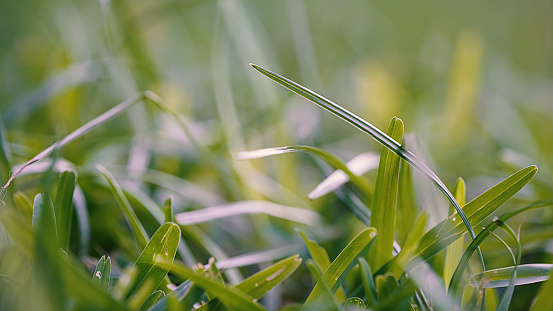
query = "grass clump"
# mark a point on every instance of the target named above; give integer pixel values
(388, 263)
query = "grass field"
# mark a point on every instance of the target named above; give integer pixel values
(144, 152)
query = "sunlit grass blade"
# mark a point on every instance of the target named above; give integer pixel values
(136, 226)
(162, 247)
(64, 206)
(526, 274)
(102, 273)
(367, 128)
(336, 272)
(361, 183)
(454, 252)
(260, 283)
(477, 210)
(94, 123)
(233, 298)
(456, 278)
(359, 165)
(299, 215)
(383, 208)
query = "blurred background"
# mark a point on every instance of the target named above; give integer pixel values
(472, 81)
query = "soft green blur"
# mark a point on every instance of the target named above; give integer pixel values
(472, 80)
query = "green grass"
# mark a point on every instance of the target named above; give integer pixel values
(147, 166)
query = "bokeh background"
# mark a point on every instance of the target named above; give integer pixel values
(472, 81)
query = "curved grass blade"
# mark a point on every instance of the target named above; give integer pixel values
(370, 129)
(383, 209)
(477, 210)
(102, 272)
(336, 272)
(361, 183)
(233, 298)
(526, 274)
(161, 248)
(94, 123)
(64, 207)
(456, 278)
(137, 229)
(299, 215)
(359, 165)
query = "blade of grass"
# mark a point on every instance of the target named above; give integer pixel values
(370, 129)
(137, 229)
(324, 288)
(321, 259)
(154, 297)
(368, 282)
(257, 285)
(48, 287)
(383, 216)
(178, 294)
(102, 273)
(161, 248)
(299, 215)
(526, 274)
(94, 123)
(255, 258)
(336, 272)
(456, 278)
(454, 252)
(406, 202)
(477, 210)
(64, 207)
(508, 295)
